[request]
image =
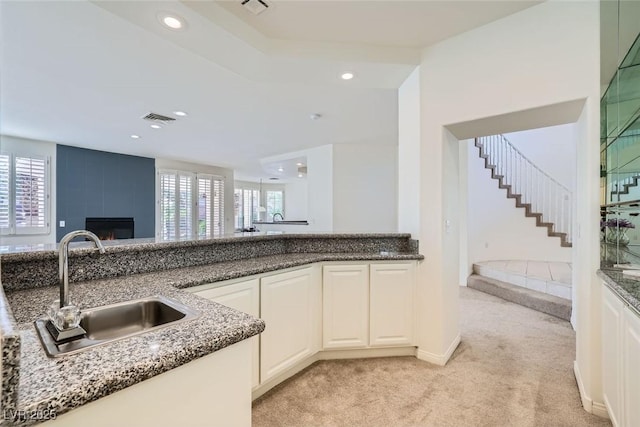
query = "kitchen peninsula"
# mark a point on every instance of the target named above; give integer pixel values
(197, 274)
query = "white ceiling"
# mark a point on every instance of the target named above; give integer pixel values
(83, 73)
(397, 23)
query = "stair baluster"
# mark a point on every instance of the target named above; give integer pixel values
(542, 197)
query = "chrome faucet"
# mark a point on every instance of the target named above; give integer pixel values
(64, 317)
(63, 261)
(279, 214)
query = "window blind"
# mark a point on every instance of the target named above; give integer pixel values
(218, 207)
(167, 206)
(190, 205)
(24, 194)
(30, 195)
(5, 191)
(185, 202)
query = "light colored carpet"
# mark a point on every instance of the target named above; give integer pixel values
(539, 301)
(513, 368)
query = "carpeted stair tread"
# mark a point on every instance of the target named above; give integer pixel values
(545, 303)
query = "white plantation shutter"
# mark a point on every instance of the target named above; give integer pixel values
(5, 191)
(190, 205)
(218, 207)
(210, 221)
(204, 207)
(185, 203)
(24, 194)
(30, 192)
(167, 206)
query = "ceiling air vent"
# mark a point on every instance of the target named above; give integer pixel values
(255, 6)
(153, 117)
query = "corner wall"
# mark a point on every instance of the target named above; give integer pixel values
(545, 55)
(364, 188)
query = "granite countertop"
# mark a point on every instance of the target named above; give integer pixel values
(626, 287)
(67, 382)
(38, 251)
(62, 384)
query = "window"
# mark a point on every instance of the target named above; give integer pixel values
(246, 204)
(210, 206)
(24, 194)
(190, 205)
(275, 203)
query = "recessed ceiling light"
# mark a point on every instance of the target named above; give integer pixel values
(155, 126)
(134, 136)
(180, 113)
(298, 164)
(172, 21)
(347, 76)
(280, 169)
(300, 175)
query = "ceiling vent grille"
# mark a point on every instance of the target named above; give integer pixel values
(153, 117)
(255, 6)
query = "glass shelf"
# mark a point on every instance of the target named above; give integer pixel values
(633, 56)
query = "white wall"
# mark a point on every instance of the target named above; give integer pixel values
(227, 174)
(408, 147)
(320, 188)
(296, 200)
(497, 230)
(37, 148)
(552, 148)
(364, 188)
(545, 55)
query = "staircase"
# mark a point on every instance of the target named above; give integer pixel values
(624, 182)
(541, 196)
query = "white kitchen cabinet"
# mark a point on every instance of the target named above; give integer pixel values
(612, 326)
(289, 305)
(242, 296)
(631, 368)
(391, 299)
(620, 356)
(213, 390)
(345, 306)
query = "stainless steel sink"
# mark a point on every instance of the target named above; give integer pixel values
(117, 321)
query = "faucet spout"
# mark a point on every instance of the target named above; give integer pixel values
(63, 261)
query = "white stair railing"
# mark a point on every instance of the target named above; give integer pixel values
(545, 195)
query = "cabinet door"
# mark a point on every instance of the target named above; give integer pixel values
(631, 371)
(391, 304)
(243, 296)
(345, 306)
(289, 308)
(612, 322)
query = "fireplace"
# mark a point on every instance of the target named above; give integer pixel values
(110, 228)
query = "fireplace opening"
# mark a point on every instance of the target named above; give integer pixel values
(110, 228)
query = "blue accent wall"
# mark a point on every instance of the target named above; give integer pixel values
(92, 183)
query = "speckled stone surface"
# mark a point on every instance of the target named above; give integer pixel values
(40, 268)
(65, 383)
(627, 288)
(10, 344)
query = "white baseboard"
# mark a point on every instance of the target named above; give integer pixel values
(330, 355)
(366, 353)
(595, 408)
(439, 359)
(600, 410)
